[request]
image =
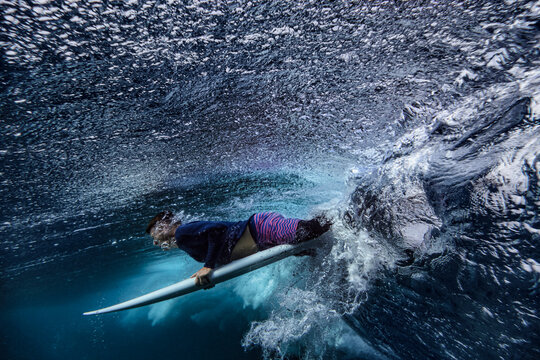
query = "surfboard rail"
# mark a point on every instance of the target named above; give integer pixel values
(219, 275)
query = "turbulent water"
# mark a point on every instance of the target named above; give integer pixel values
(415, 125)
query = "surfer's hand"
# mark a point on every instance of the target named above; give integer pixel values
(201, 276)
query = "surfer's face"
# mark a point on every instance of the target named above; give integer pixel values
(161, 235)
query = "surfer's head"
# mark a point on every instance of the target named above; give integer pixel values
(162, 228)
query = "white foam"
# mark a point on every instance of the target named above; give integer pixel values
(309, 311)
(530, 265)
(496, 59)
(257, 288)
(285, 30)
(465, 74)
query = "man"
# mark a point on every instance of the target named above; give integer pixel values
(217, 243)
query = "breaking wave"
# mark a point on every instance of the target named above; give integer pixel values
(415, 126)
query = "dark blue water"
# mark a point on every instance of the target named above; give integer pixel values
(415, 125)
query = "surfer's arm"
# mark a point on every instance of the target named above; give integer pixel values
(214, 247)
(201, 276)
(211, 255)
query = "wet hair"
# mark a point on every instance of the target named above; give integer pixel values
(165, 216)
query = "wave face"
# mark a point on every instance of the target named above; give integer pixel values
(462, 210)
(415, 126)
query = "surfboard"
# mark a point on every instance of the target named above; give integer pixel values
(219, 275)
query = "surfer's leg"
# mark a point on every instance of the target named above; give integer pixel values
(245, 246)
(311, 229)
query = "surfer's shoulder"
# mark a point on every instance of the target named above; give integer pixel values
(195, 227)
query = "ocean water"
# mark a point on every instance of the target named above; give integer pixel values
(414, 125)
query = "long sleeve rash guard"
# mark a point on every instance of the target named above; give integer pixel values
(210, 242)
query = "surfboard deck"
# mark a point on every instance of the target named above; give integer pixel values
(219, 275)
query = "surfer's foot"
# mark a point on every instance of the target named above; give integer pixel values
(323, 221)
(311, 229)
(307, 252)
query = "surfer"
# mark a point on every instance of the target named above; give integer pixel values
(216, 243)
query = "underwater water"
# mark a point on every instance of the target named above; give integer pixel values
(414, 125)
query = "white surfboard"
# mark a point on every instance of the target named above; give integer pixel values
(221, 274)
